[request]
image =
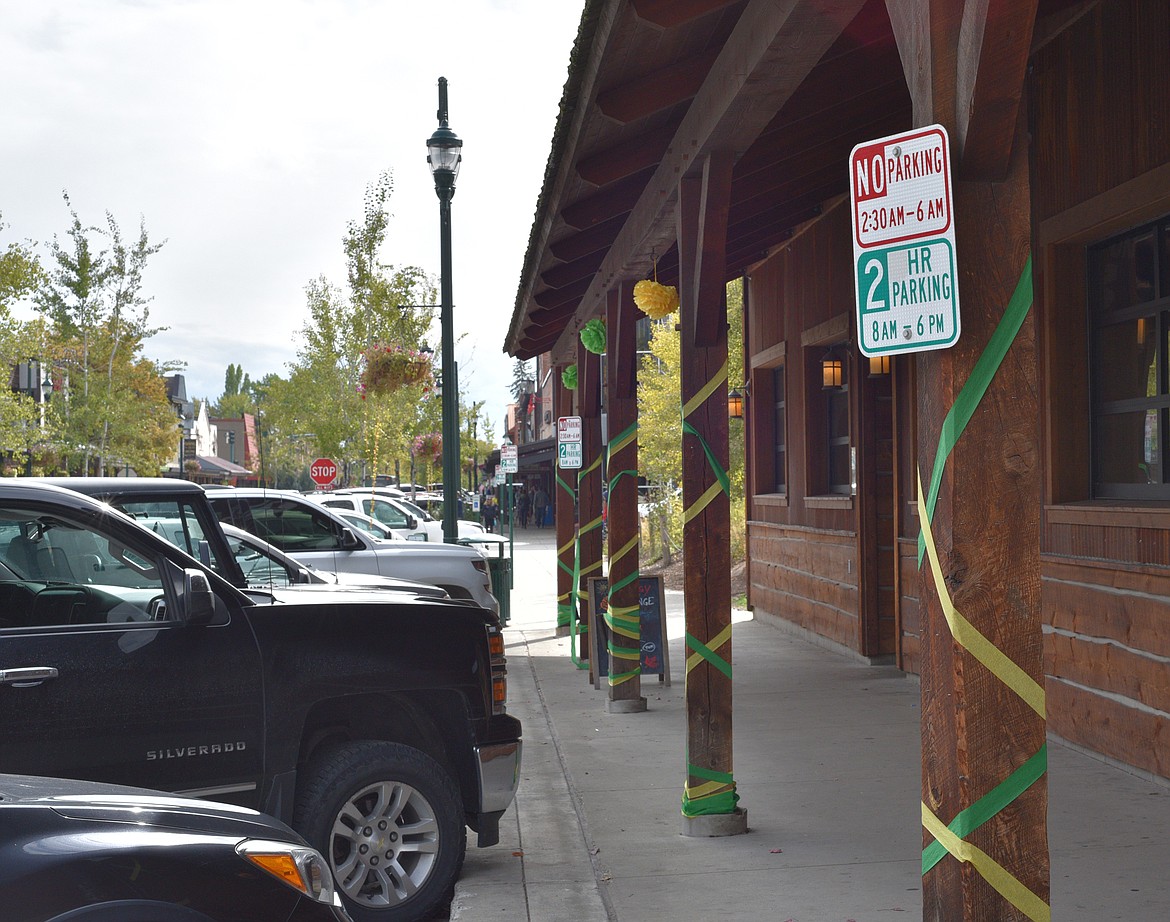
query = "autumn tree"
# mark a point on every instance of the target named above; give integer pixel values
(21, 424)
(660, 444)
(380, 305)
(92, 295)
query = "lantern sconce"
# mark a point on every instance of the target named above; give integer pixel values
(879, 366)
(832, 371)
(735, 403)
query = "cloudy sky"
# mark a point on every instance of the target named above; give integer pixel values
(245, 133)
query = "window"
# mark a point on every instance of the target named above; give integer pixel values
(1129, 335)
(178, 522)
(827, 400)
(837, 420)
(57, 571)
(283, 523)
(779, 430)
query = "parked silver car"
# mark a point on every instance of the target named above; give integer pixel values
(312, 534)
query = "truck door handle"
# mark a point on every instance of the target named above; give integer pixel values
(27, 676)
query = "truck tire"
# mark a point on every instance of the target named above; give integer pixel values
(389, 820)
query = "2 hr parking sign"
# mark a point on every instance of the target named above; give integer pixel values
(904, 243)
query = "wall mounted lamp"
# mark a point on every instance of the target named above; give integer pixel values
(734, 404)
(879, 365)
(832, 371)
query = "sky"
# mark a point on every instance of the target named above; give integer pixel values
(245, 134)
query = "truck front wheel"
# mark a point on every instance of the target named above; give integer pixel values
(388, 819)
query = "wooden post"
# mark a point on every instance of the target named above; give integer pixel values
(565, 504)
(984, 782)
(709, 799)
(589, 480)
(623, 611)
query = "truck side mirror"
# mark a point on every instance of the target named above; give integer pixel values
(198, 599)
(350, 541)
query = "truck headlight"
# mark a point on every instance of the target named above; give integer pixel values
(301, 867)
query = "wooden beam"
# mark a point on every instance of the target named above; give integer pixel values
(994, 46)
(565, 505)
(596, 31)
(627, 157)
(657, 90)
(707, 296)
(669, 13)
(598, 237)
(613, 200)
(769, 53)
(555, 297)
(625, 684)
(555, 316)
(707, 511)
(566, 273)
(982, 512)
(589, 477)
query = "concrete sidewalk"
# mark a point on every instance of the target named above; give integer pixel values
(827, 764)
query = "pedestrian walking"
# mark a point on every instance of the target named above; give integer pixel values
(541, 506)
(490, 512)
(522, 507)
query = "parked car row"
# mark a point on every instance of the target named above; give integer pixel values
(144, 643)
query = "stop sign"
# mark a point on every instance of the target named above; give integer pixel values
(323, 472)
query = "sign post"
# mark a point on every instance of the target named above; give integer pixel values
(569, 451)
(323, 471)
(904, 243)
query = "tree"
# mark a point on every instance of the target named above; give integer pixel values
(237, 397)
(381, 305)
(22, 424)
(93, 299)
(660, 445)
(521, 379)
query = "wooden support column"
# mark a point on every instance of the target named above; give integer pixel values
(710, 801)
(984, 781)
(589, 480)
(565, 506)
(623, 611)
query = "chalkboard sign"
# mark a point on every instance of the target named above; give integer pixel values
(651, 601)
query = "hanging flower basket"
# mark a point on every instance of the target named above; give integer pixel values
(593, 336)
(655, 300)
(390, 368)
(569, 377)
(428, 446)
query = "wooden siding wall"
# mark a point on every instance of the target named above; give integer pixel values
(804, 552)
(804, 576)
(1100, 104)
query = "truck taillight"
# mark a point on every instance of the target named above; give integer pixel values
(499, 665)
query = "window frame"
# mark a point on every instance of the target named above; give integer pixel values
(1101, 411)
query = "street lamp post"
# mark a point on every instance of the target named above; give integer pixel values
(443, 154)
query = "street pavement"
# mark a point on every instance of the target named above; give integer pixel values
(827, 765)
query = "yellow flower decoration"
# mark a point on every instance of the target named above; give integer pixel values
(655, 300)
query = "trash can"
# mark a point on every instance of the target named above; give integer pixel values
(499, 569)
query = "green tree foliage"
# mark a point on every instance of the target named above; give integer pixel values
(237, 397)
(521, 379)
(380, 305)
(660, 443)
(92, 296)
(20, 417)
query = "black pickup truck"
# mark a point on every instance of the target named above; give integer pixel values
(375, 728)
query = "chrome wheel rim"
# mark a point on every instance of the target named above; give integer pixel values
(384, 844)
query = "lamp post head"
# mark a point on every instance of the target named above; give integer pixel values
(444, 148)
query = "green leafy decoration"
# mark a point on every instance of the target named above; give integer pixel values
(593, 336)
